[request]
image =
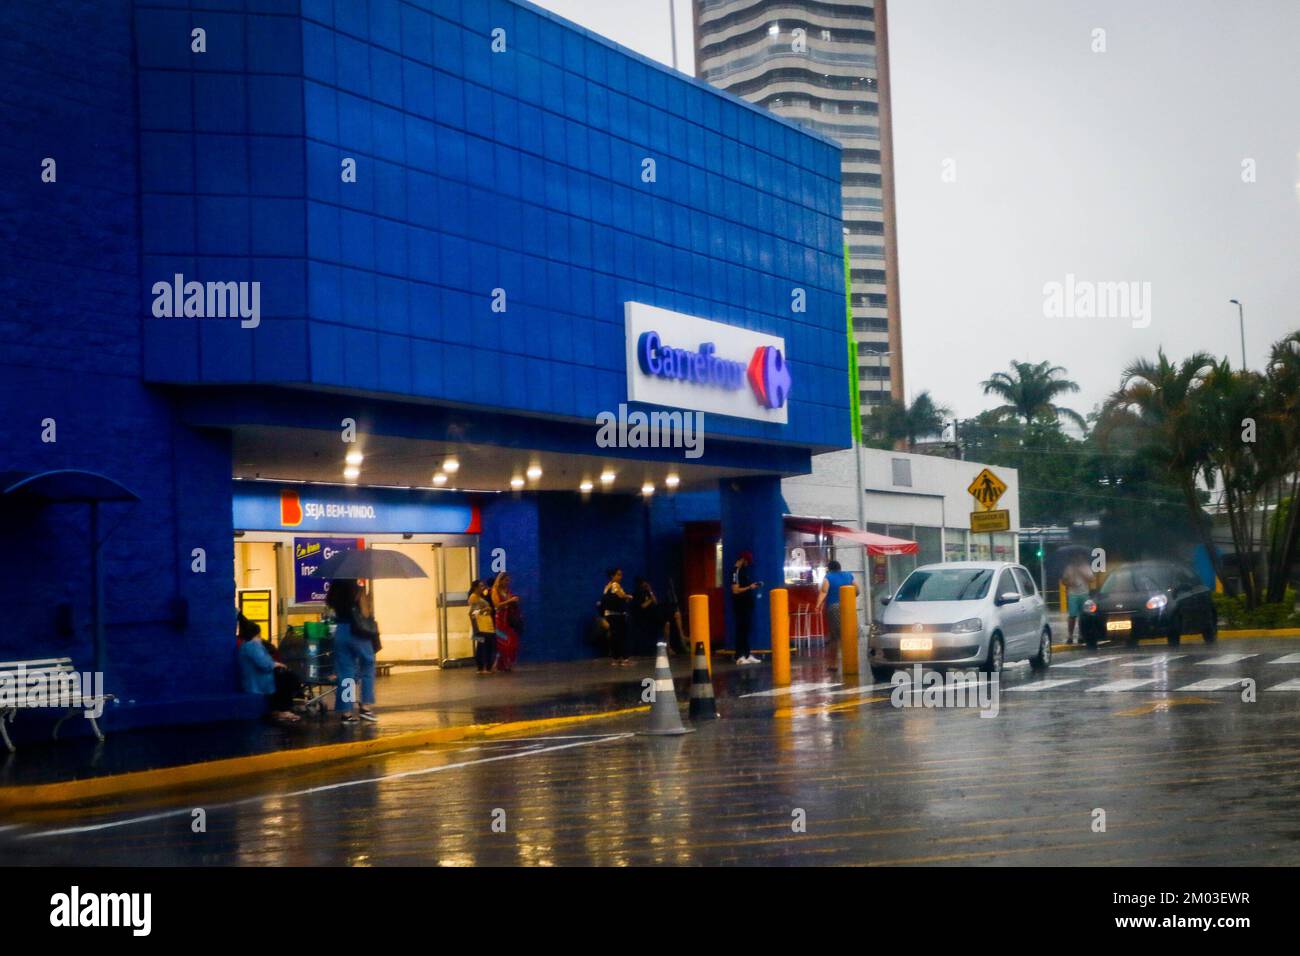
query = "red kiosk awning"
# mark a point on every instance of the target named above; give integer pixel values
(876, 544)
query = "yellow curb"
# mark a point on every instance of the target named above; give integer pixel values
(186, 775)
(1262, 632)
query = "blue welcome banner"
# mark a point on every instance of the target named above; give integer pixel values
(328, 509)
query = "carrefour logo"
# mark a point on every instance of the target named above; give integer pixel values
(768, 374)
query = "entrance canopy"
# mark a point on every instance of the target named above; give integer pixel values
(876, 544)
(68, 485)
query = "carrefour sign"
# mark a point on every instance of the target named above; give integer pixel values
(687, 362)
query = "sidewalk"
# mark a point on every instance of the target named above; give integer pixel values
(416, 705)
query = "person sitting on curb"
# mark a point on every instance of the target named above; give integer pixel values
(261, 674)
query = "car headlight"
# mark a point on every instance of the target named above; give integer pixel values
(968, 626)
(1090, 606)
(1157, 602)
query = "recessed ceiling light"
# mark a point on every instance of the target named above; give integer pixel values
(354, 458)
(648, 488)
(439, 479)
(451, 466)
(606, 477)
(534, 472)
(672, 481)
(516, 482)
(351, 473)
(585, 487)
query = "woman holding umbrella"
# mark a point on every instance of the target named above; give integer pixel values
(355, 640)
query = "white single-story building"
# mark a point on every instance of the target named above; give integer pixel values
(896, 495)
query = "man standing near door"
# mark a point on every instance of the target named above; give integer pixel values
(744, 593)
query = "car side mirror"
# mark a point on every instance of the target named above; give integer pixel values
(1008, 597)
(886, 599)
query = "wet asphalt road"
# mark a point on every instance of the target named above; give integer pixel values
(1185, 771)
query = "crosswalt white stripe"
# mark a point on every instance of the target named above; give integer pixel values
(792, 689)
(1119, 686)
(1214, 683)
(186, 811)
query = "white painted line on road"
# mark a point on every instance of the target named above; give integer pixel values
(1042, 685)
(1223, 659)
(1215, 683)
(792, 689)
(1085, 662)
(1292, 685)
(325, 788)
(1117, 686)
(1287, 659)
(1153, 660)
(861, 690)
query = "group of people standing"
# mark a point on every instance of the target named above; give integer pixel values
(623, 618)
(496, 622)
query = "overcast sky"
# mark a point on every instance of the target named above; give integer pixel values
(1024, 157)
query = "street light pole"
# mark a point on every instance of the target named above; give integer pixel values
(672, 26)
(1241, 319)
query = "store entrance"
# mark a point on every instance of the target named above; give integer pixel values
(427, 619)
(421, 620)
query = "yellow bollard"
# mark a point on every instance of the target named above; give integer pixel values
(849, 629)
(780, 610)
(700, 626)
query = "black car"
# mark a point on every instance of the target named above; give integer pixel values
(1149, 599)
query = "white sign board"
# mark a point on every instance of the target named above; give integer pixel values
(682, 361)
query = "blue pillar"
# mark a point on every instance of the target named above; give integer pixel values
(752, 512)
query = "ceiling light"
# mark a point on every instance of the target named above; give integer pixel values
(516, 482)
(534, 472)
(648, 488)
(451, 466)
(354, 458)
(606, 477)
(439, 479)
(585, 487)
(351, 473)
(672, 481)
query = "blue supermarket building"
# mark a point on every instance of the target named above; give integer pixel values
(452, 277)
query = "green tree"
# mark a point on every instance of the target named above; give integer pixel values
(892, 422)
(1029, 392)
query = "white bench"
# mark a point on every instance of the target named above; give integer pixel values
(45, 684)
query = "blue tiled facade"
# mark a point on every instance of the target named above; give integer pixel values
(519, 170)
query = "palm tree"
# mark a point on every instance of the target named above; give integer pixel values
(1282, 398)
(1155, 407)
(893, 422)
(1029, 392)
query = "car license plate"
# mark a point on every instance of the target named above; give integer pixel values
(915, 644)
(1121, 624)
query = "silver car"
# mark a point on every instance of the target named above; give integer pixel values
(972, 613)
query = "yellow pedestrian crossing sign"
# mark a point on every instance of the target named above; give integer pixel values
(987, 488)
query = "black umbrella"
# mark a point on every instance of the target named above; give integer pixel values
(370, 564)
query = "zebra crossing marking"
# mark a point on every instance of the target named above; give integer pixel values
(1043, 685)
(1287, 659)
(1293, 685)
(1117, 686)
(1153, 660)
(1224, 659)
(1086, 662)
(1215, 683)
